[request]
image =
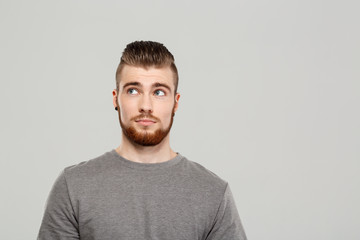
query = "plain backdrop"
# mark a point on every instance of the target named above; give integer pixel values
(270, 103)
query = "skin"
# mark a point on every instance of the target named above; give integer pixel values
(140, 94)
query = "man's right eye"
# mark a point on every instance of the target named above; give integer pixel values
(132, 91)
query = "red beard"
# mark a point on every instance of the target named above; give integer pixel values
(144, 138)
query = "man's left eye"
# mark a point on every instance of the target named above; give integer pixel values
(159, 93)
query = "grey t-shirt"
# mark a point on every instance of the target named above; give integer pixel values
(112, 198)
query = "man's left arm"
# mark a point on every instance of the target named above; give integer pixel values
(227, 224)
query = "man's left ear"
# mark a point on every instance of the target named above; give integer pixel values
(177, 97)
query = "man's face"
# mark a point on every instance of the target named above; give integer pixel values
(146, 103)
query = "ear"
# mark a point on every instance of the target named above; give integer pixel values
(177, 97)
(115, 96)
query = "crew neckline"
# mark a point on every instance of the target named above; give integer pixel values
(147, 166)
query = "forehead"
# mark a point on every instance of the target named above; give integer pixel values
(146, 76)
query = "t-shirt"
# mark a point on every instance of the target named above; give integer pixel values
(112, 198)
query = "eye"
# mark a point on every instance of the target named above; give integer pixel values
(132, 91)
(159, 93)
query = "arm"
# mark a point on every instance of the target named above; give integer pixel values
(59, 220)
(227, 224)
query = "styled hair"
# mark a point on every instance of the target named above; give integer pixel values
(147, 54)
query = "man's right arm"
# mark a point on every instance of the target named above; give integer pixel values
(59, 220)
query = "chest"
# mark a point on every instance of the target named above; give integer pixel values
(143, 209)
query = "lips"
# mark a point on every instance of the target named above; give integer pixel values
(145, 122)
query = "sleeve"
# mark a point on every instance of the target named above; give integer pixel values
(59, 220)
(227, 224)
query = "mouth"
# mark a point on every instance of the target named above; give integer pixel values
(145, 121)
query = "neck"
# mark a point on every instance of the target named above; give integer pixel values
(146, 154)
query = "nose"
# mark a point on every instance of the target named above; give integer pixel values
(145, 104)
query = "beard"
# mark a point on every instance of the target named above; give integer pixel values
(144, 137)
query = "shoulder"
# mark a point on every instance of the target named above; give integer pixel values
(91, 167)
(203, 177)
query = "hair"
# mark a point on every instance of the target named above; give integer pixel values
(147, 54)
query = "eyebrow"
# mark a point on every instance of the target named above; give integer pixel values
(131, 84)
(157, 84)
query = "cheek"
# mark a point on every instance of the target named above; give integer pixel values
(166, 114)
(127, 110)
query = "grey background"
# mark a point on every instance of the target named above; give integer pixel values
(270, 103)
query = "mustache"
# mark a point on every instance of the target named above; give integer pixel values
(147, 116)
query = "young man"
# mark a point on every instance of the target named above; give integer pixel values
(142, 190)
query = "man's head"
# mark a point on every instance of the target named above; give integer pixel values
(146, 92)
(147, 54)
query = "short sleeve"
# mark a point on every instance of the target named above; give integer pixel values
(59, 220)
(227, 224)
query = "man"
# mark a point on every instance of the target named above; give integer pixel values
(142, 190)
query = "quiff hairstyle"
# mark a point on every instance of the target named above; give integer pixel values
(147, 54)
